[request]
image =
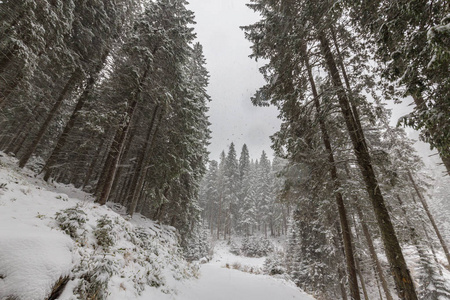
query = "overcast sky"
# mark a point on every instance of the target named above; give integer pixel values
(234, 78)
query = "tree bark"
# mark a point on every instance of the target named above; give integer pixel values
(91, 167)
(23, 126)
(70, 124)
(117, 146)
(141, 165)
(430, 216)
(345, 228)
(43, 129)
(402, 276)
(114, 154)
(372, 251)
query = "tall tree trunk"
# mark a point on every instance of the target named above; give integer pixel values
(117, 146)
(372, 251)
(62, 96)
(358, 266)
(91, 167)
(219, 216)
(106, 162)
(402, 276)
(21, 131)
(114, 154)
(361, 278)
(141, 165)
(70, 124)
(378, 283)
(51, 161)
(430, 216)
(345, 228)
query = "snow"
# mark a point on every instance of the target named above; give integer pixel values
(35, 253)
(48, 256)
(225, 284)
(218, 282)
(32, 255)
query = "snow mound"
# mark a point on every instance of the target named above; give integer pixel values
(31, 262)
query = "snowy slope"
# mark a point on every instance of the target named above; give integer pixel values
(52, 232)
(106, 252)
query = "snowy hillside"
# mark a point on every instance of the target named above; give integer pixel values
(55, 241)
(51, 234)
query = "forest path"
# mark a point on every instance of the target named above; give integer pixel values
(218, 282)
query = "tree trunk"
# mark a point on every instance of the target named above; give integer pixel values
(378, 283)
(341, 276)
(141, 165)
(345, 228)
(23, 126)
(63, 95)
(372, 251)
(80, 103)
(361, 278)
(402, 277)
(105, 162)
(430, 216)
(118, 143)
(114, 154)
(219, 216)
(91, 167)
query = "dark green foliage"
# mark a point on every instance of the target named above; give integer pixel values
(96, 273)
(90, 86)
(240, 196)
(197, 246)
(104, 232)
(411, 40)
(256, 247)
(274, 264)
(72, 221)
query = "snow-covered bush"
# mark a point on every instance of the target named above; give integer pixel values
(256, 247)
(72, 221)
(273, 265)
(95, 273)
(104, 233)
(235, 248)
(197, 245)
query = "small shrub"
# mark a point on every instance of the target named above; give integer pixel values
(72, 221)
(235, 249)
(104, 233)
(96, 273)
(62, 197)
(273, 265)
(236, 266)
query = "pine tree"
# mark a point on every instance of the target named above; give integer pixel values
(411, 42)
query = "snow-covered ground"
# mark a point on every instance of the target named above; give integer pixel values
(142, 262)
(219, 281)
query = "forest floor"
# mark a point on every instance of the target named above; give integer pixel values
(35, 252)
(220, 281)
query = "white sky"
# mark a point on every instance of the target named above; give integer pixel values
(235, 78)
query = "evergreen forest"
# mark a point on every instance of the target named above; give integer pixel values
(110, 98)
